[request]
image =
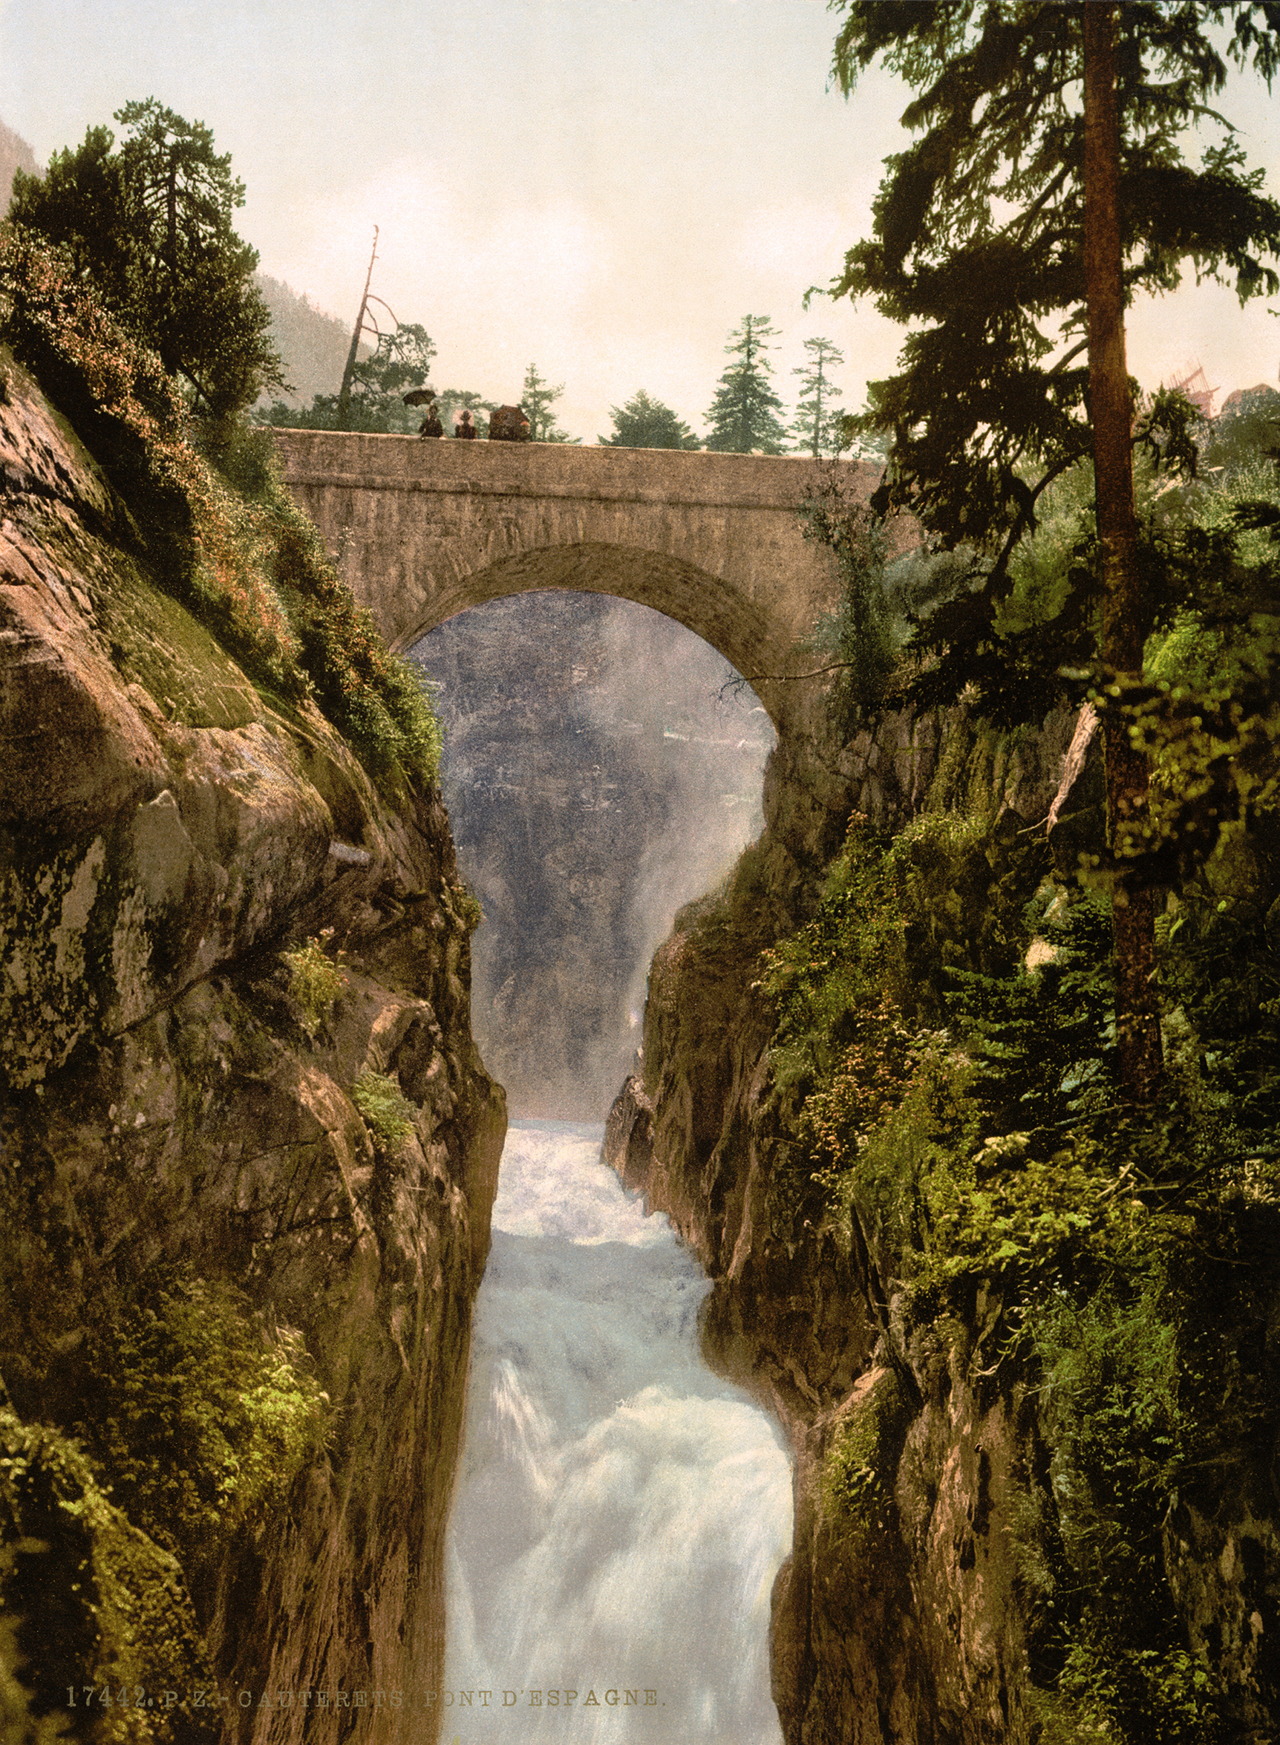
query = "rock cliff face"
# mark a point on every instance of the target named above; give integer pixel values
(907, 1626)
(237, 1076)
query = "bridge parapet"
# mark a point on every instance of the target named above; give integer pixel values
(694, 477)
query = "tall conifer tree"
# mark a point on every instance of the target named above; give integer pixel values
(538, 396)
(1011, 234)
(149, 222)
(819, 425)
(744, 414)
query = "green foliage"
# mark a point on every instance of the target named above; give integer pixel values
(961, 1134)
(838, 962)
(856, 1485)
(898, 917)
(819, 426)
(400, 360)
(646, 423)
(537, 397)
(1113, 1405)
(1222, 979)
(202, 1417)
(743, 417)
(377, 699)
(1206, 711)
(977, 247)
(1043, 1037)
(859, 642)
(466, 906)
(315, 980)
(87, 1599)
(945, 1080)
(150, 227)
(387, 1112)
(221, 533)
(978, 225)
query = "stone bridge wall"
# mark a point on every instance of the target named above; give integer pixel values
(423, 530)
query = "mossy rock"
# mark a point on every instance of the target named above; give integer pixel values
(100, 1641)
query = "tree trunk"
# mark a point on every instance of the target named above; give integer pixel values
(344, 392)
(1137, 1000)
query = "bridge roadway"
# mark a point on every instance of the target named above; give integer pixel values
(423, 529)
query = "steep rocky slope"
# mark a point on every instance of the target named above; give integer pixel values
(248, 1156)
(15, 154)
(941, 1492)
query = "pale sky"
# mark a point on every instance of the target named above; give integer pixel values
(603, 187)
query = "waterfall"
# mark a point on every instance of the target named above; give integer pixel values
(621, 1512)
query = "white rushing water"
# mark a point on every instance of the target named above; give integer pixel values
(621, 1512)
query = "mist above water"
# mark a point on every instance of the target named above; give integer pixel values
(602, 768)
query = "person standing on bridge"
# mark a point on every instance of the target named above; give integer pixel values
(465, 428)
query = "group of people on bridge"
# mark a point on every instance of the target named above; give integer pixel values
(506, 423)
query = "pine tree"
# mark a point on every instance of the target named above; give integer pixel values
(1018, 221)
(537, 397)
(819, 425)
(150, 224)
(647, 423)
(744, 414)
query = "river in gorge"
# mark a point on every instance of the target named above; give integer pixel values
(621, 1512)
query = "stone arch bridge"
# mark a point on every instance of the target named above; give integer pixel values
(423, 530)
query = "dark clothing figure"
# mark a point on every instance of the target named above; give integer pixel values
(465, 428)
(431, 425)
(508, 424)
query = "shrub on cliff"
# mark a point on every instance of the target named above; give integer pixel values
(148, 226)
(387, 1112)
(87, 1600)
(218, 528)
(963, 1133)
(201, 1417)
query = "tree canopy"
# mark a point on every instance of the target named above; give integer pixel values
(978, 239)
(646, 423)
(743, 417)
(537, 397)
(819, 425)
(401, 359)
(1048, 186)
(149, 223)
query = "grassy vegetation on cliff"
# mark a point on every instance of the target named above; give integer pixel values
(161, 1411)
(207, 512)
(87, 1600)
(202, 1417)
(945, 1030)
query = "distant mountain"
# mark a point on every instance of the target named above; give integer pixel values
(312, 345)
(15, 154)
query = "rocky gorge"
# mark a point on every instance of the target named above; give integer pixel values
(249, 1151)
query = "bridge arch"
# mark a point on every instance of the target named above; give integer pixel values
(424, 529)
(720, 614)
